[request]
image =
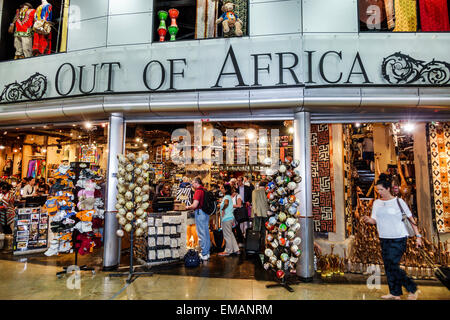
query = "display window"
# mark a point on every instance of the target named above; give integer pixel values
(404, 15)
(32, 28)
(54, 177)
(204, 19)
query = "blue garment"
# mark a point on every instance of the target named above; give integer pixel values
(202, 226)
(228, 213)
(392, 251)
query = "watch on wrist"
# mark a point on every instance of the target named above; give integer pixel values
(418, 235)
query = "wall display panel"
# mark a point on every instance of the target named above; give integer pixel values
(87, 9)
(322, 176)
(87, 34)
(329, 16)
(262, 15)
(121, 32)
(403, 15)
(130, 6)
(439, 159)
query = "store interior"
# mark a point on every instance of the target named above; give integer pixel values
(346, 161)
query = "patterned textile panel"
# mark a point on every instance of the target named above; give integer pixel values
(439, 161)
(322, 179)
(241, 9)
(348, 209)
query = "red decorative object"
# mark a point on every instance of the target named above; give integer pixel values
(280, 274)
(162, 34)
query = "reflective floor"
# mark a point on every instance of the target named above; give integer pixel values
(222, 278)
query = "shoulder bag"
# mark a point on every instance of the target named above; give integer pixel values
(240, 214)
(406, 222)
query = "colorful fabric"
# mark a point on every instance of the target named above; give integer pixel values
(8, 210)
(241, 10)
(439, 159)
(24, 22)
(44, 12)
(205, 25)
(389, 5)
(42, 44)
(434, 15)
(348, 181)
(405, 16)
(322, 179)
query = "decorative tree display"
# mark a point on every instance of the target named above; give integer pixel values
(282, 241)
(132, 201)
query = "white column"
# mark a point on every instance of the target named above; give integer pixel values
(302, 152)
(111, 251)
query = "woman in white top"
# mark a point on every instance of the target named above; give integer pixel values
(387, 216)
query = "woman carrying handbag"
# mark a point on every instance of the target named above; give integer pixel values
(388, 215)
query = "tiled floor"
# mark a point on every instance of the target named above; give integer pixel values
(23, 278)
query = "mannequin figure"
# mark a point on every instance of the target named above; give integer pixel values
(23, 31)
(42, 43)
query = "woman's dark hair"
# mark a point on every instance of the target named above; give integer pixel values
(227, 188)
(198, 180)
(385, 181)
(263, 183)
(7, 187)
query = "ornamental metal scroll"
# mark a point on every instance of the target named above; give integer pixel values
(400, 68)
(33, 88)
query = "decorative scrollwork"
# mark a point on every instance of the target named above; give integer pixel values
(400, 68)
(33, 88)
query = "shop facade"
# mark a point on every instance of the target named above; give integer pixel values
(321, 75)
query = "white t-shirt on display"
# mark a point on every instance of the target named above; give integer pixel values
(389, 218)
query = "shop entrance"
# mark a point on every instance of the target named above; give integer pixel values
(226, 152)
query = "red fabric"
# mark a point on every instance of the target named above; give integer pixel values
(434, 15)
(42, 44)
(199, 195)
(26, 23)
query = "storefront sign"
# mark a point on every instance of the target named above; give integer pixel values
(218, 64)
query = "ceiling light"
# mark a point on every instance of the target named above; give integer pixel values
(88, 125)
(145, 145)
(6, 132)
(291, 130)
(409, 127)
(357, 124)
(2, 147)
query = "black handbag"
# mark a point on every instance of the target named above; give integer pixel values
(240, 214)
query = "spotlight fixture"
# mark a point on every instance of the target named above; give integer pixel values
(2, 147)
(291, 130)
(88, 125)
(357, 124)
(409, 127)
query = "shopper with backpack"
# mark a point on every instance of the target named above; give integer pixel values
(202, 203)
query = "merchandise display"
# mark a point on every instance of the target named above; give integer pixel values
(166, 237)
(42, 42)
(76, 210)
(404, 15)
(282, 242)
(30, 231)
(61, 210)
